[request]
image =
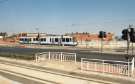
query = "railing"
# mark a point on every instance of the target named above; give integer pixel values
(107, 66)
(59, 56)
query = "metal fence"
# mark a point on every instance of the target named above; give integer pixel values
(59, 56)
(108, 66)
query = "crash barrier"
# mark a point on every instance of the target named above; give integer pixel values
(59, 56)
(108, 66)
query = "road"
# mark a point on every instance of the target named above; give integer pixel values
(81, 53)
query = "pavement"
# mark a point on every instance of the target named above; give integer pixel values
(69, 68)
(4, 80)
(44, 77)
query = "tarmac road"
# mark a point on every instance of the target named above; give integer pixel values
(81, 53)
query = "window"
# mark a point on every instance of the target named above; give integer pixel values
(21, 39)
(25, 39)
(56, 39)
(41, 39)
(50, 39)
(44, 39)
(36, 39)
(24, 34)
(67, 39)
(70, 39)
(29, 39)
(63, 39)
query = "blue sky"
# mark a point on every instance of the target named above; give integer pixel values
(60, 16)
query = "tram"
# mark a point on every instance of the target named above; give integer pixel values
(48, 40)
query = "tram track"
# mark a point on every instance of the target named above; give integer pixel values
(51, 71)
(59, 72)
(24, 79)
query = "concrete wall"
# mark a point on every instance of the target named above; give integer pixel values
(1, 37)
(106, 44)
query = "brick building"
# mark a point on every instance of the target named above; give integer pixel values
(79, 37)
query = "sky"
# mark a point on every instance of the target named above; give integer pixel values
(65, 16)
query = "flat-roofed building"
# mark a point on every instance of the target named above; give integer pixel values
(79, 37)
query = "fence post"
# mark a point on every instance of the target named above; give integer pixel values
(75, 58)
(61, 56)
(103, 65)
(95, 66)
(81, 64)
(49, 55)
(36, 57)
(132, 66)
(87, 66)
(128, 68)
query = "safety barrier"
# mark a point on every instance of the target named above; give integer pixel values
(108, 66)
(59, 56)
